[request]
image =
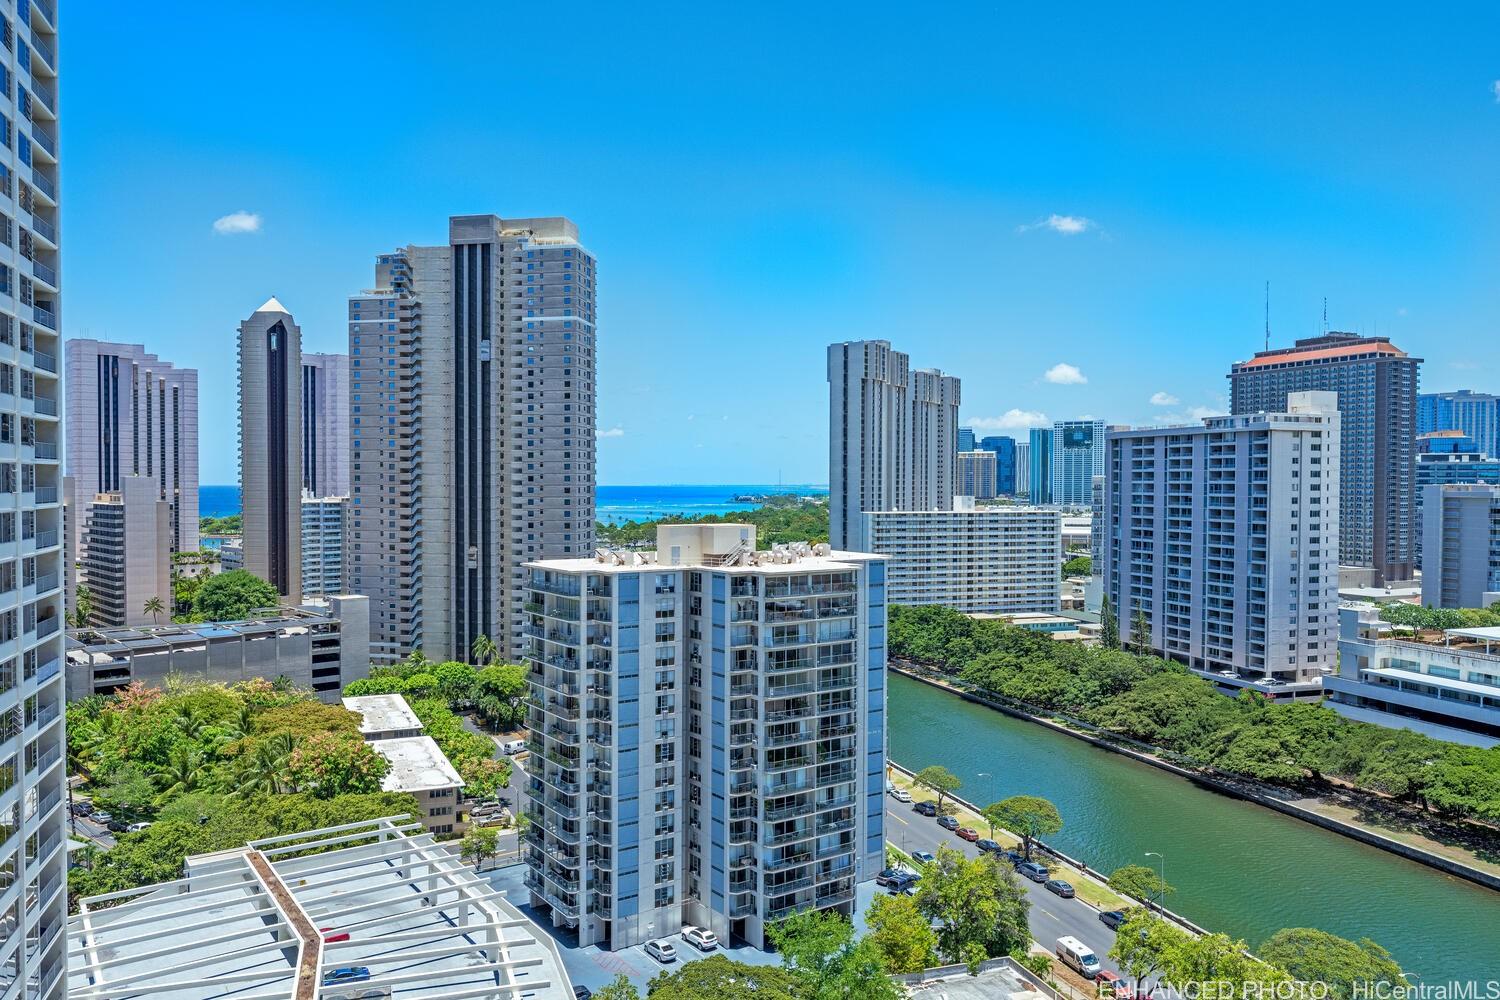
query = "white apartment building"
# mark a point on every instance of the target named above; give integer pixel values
(126, 554)
(323, 521)
(707, 734)
(325, 424)
(1001, 560)
(1225, 537)
(132, 414)
(978, 473)
(892, 437)
(472, 370)
(1448, 688)
(1460, 546)
(270, 377)
(1077, 456)
(33, 821)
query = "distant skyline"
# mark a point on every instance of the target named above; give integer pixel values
(1075, 213)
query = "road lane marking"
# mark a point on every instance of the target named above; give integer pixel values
(898, 819)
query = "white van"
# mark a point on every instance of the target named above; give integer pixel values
(1078, 956)
(513, 747)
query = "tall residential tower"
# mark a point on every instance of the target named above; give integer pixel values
(471, 400)
(270, 359)
(1377, 388)
(325, 424)
(33, 800)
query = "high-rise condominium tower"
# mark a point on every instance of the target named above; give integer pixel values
(892, 437)
(126, 558)
(471, 430)
(708, 734)
(1039, 462)
(1477, 414)
(325, 424)
(270, 351)
(33, 802)
(1377, 387)
(132, 414)
(1219, 548)
(1077, 455)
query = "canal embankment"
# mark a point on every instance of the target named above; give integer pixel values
(1486, 875)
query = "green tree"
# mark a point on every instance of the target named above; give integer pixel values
(129, 794)
(818, 946)
(330, 764)
(83, 606)
(483, 650)
(1140, 633)
(456, 683)
(155, 608)
(722, 978)
(979, 906)
(1145, 945)
(1109, 624)
(620, 989)
(1314, 956)
(1030, 816)
(500, 692)
(902, 935)
(1078, 566)
(479, 843)
(183, 772)
(1139, 881)
(233, 596)
(940, 780)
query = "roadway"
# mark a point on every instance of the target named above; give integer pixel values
(1051, 915)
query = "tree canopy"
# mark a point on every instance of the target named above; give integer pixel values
(980, 908)
(232, 596)
(778, 521)
(1310, 955)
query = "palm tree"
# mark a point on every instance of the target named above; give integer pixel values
(155, 608)
(83, 606)
(483, 649)
(415, 661)
(182, 773)
(191, 723)
(266, 770)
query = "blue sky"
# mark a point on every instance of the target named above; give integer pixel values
(998, 191)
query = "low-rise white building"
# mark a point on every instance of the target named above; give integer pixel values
(1003, 559)
(420, 769)
(1448, 689)
(384, 716)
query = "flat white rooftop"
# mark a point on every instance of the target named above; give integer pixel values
(259, 923)
(383, 713)
(417, 765)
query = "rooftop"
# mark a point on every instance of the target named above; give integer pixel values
(383, 713)
(1326, 348)
(417, 765)
(680, 546)
(122, 639)
(253, 924)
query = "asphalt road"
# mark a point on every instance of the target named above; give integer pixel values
(1051, 916)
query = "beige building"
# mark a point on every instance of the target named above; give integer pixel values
(420, 769)
(384, 717)
(270, 369)
(126, 554)
(471, 400)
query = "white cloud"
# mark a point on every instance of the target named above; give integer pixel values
(237, 222)
(1164, 399)
(1401, 311)
(1010, 420)
(1067, 225)
(1464, 366)
(1192, 415)
(613, 432)
(1495, 89)
(1065, 374)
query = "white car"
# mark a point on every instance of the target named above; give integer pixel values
(900, 795)
(661, 949)
(701, 938)
(137, 827)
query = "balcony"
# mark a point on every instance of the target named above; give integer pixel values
(44, 139)
(45, 273)
(44, 229)
(41, 48)
(45, 186)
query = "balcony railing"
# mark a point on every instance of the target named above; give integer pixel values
(44, 139)
(45, 272)
(42, 184)
(44, 361)
(44, 229)
(47, 407)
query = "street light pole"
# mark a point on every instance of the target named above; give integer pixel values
(1161, 890)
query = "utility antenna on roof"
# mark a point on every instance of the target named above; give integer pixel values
(1325, 314)
(1268, 315)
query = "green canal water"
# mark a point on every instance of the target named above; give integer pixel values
(1237, 867)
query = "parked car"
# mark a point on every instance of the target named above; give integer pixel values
(83, 808)
(661, 949)
(330, 936)
(348, 974)
(1033, 871)
(1061, 888)
(582, 993)
(968, 833)
(117, 826)
(926, 808)
(923, 857)
(101, 817)
(988, 846)
(1014, 856)
(892, 875)
(1112, 918)
(513, 747)
(948, 822)
(900, 795)
(701, 938)
(1110, 984)
(137, 827)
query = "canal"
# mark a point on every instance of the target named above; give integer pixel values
(1238, 868)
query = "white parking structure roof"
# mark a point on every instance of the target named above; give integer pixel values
(280, 918)
(383, 713)
(417, 765)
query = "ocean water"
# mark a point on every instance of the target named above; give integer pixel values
(616, 504)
